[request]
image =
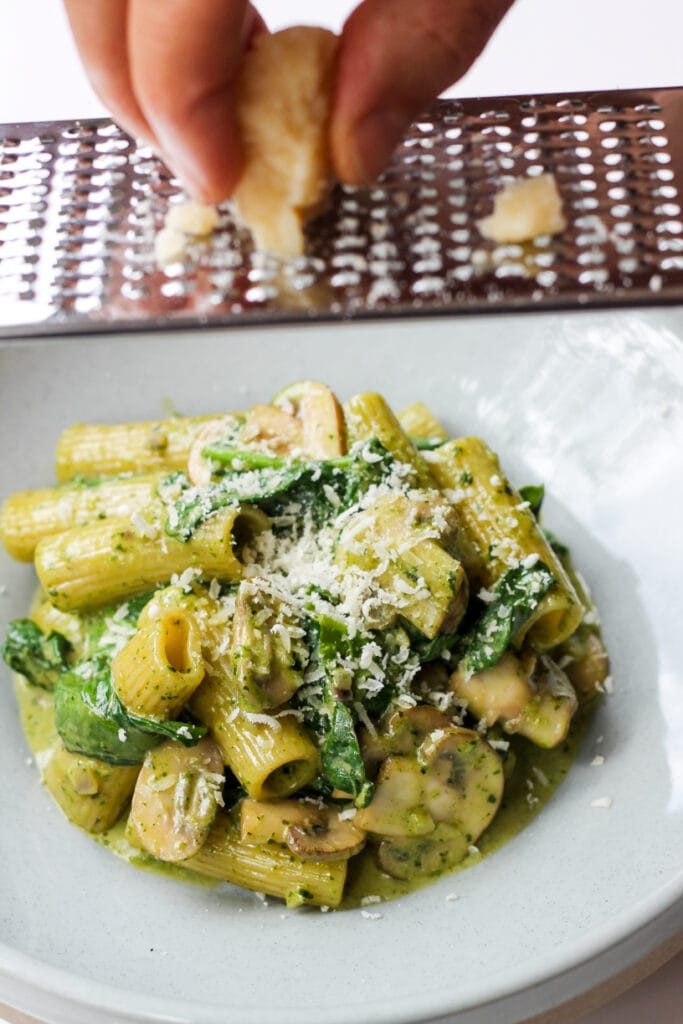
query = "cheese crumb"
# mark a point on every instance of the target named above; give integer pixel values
(369, 900)
(347, 814)
(452, 896)
(525, 209)
(473, 850)
(192, 218)
(602, 801)
(370, 916)
(597, 761)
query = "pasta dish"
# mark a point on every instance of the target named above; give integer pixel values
(320, 651)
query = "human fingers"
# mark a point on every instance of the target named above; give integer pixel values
(184, 61)
(99, 29)
(395, 57)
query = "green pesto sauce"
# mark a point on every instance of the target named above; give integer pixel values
(36, 708)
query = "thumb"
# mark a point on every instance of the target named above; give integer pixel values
(396, 56)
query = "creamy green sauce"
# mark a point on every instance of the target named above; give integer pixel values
(544, 769)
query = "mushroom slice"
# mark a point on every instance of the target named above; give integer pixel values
(321, 415)
(398, 804)
(432, 854)
(589, 665)
(334, 840)
(279, 431)
(402, 733)
(463, 780)
(198, 466)
(262, 656)
(310, 832)
(497, 694)
(176, 797)
(540, 708)
(546, 718)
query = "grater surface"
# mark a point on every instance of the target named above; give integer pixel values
(80, 204)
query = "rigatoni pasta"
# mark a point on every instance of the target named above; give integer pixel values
(297, 638)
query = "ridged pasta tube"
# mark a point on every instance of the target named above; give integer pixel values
(426, 585)
(52, 620)
(418, 421)
(91, 793)
(368, 415)
(161, 666)
(498, 530)
(269, 760)
(269, 869)
(110, 561)
(93, 449)
(28, 516)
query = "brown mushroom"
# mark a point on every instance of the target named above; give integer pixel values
(589, 665)
(431, 854)
(532, 697)
(198, 465)
(456, 778)
(279, 431)
(310, 831)
(321, 416)
(176, 798)
(401, 733)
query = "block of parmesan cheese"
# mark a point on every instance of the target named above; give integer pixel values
(283, 104)
(524, 209)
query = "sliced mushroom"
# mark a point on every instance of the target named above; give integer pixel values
(199, 468)
(321, 416)
(397, 807)
(589, 665)
(463, 779)
(279, 431)
(310, 832)
(401, 733)
(176, 797)
(546, 718)
(540, 708)
(497, 694)
(262, 657)
(457, 778)
(432, 854)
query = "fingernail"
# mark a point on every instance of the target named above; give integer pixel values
(376, 138)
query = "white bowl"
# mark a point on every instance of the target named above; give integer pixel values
(588, 402)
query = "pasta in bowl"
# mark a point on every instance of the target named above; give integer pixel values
(323, 652)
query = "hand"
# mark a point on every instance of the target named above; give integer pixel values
(167, 69)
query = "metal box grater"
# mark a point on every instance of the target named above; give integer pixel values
(80, 204)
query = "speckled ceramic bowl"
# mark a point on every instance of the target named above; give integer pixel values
(590, 403)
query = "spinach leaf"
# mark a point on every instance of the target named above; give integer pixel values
(517, 594)
(325, 487)
(341, 759)
(340, 756)
(40, 658)
(431, 650)
(560, 549)
(534, 494)
(91, 720)
(427, 444)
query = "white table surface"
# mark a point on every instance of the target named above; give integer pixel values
(542, 46)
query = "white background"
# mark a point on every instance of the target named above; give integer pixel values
(542, 46)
